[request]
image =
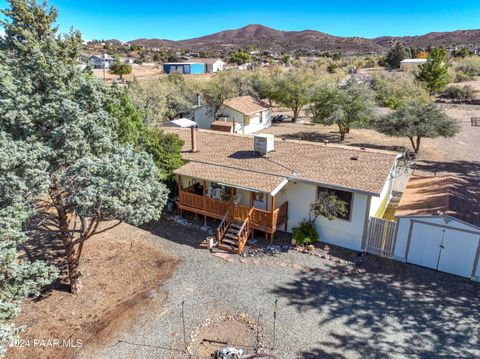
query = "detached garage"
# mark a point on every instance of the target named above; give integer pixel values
(439, 226)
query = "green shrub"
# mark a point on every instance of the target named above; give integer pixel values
(393, 91)
(305, 233)
(468, 68)
(458, 93)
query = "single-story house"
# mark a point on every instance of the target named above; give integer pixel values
(258, 183)
(438, 225)
(245, 114)
(411, 64)
(102, 61)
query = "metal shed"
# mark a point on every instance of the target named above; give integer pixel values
(194, 68)
(438, 226)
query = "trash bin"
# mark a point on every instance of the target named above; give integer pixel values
(210, 242)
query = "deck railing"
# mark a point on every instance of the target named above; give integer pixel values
(260, 219)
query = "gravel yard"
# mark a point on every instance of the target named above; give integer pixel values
(326, 307)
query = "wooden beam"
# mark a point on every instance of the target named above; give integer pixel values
(272, 210)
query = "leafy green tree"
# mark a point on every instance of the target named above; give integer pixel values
(120, 69)
(293, 89)
(395, 55)
(164, 148)
(48, 102)
(240, 57)
(416, 121)
(434, 73)
(215, 91)
(393, 91)
(347, 106)
(163, 99)
(263, 86)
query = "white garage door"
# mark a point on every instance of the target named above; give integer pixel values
(444, 249)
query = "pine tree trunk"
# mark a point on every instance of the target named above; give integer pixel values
(74, 274)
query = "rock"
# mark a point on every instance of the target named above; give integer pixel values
(310, 248)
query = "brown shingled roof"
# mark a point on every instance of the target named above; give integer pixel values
(439, 195)
(232, 176)
(328, 165)
(245, 104)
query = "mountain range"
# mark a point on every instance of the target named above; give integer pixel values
(266, 38)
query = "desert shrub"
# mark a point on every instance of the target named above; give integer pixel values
(464, 93)
(305, 233)
(392, 92)
(468, 68)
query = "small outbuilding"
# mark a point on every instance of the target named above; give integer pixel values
(411, 64)
(186, 68)
(439, 226)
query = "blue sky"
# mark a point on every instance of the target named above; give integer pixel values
(181, 19)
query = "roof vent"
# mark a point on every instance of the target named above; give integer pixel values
(354, 158)
(263, 143)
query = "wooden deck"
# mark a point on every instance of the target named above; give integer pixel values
(261, 220)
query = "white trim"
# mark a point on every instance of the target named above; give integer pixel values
(279, 187)
(332, 186)
(426, 216)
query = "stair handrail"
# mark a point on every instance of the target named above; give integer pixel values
(244, 231)
(222, 227)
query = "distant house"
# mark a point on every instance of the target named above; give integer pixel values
(411, 64)
(102, 61)
(195, 66)
(241, 114)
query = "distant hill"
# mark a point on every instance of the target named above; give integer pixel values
(266, 38)
(446, 39)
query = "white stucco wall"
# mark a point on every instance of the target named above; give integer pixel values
(343, 233)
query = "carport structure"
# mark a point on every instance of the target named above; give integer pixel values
(439, 226)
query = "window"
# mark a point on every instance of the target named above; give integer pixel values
(347, 197)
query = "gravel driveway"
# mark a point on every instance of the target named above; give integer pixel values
(326, 308)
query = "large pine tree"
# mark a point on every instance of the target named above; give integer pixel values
(50, 104)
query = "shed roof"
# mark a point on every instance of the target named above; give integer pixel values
(333, 166)
(245, 104)
(440, 195)
(181, 122)
(208, 61)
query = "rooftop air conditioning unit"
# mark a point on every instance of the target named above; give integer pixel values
(263, 143)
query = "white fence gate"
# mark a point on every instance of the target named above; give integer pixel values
(380, 237)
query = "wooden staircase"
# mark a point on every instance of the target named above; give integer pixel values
(233, 231)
